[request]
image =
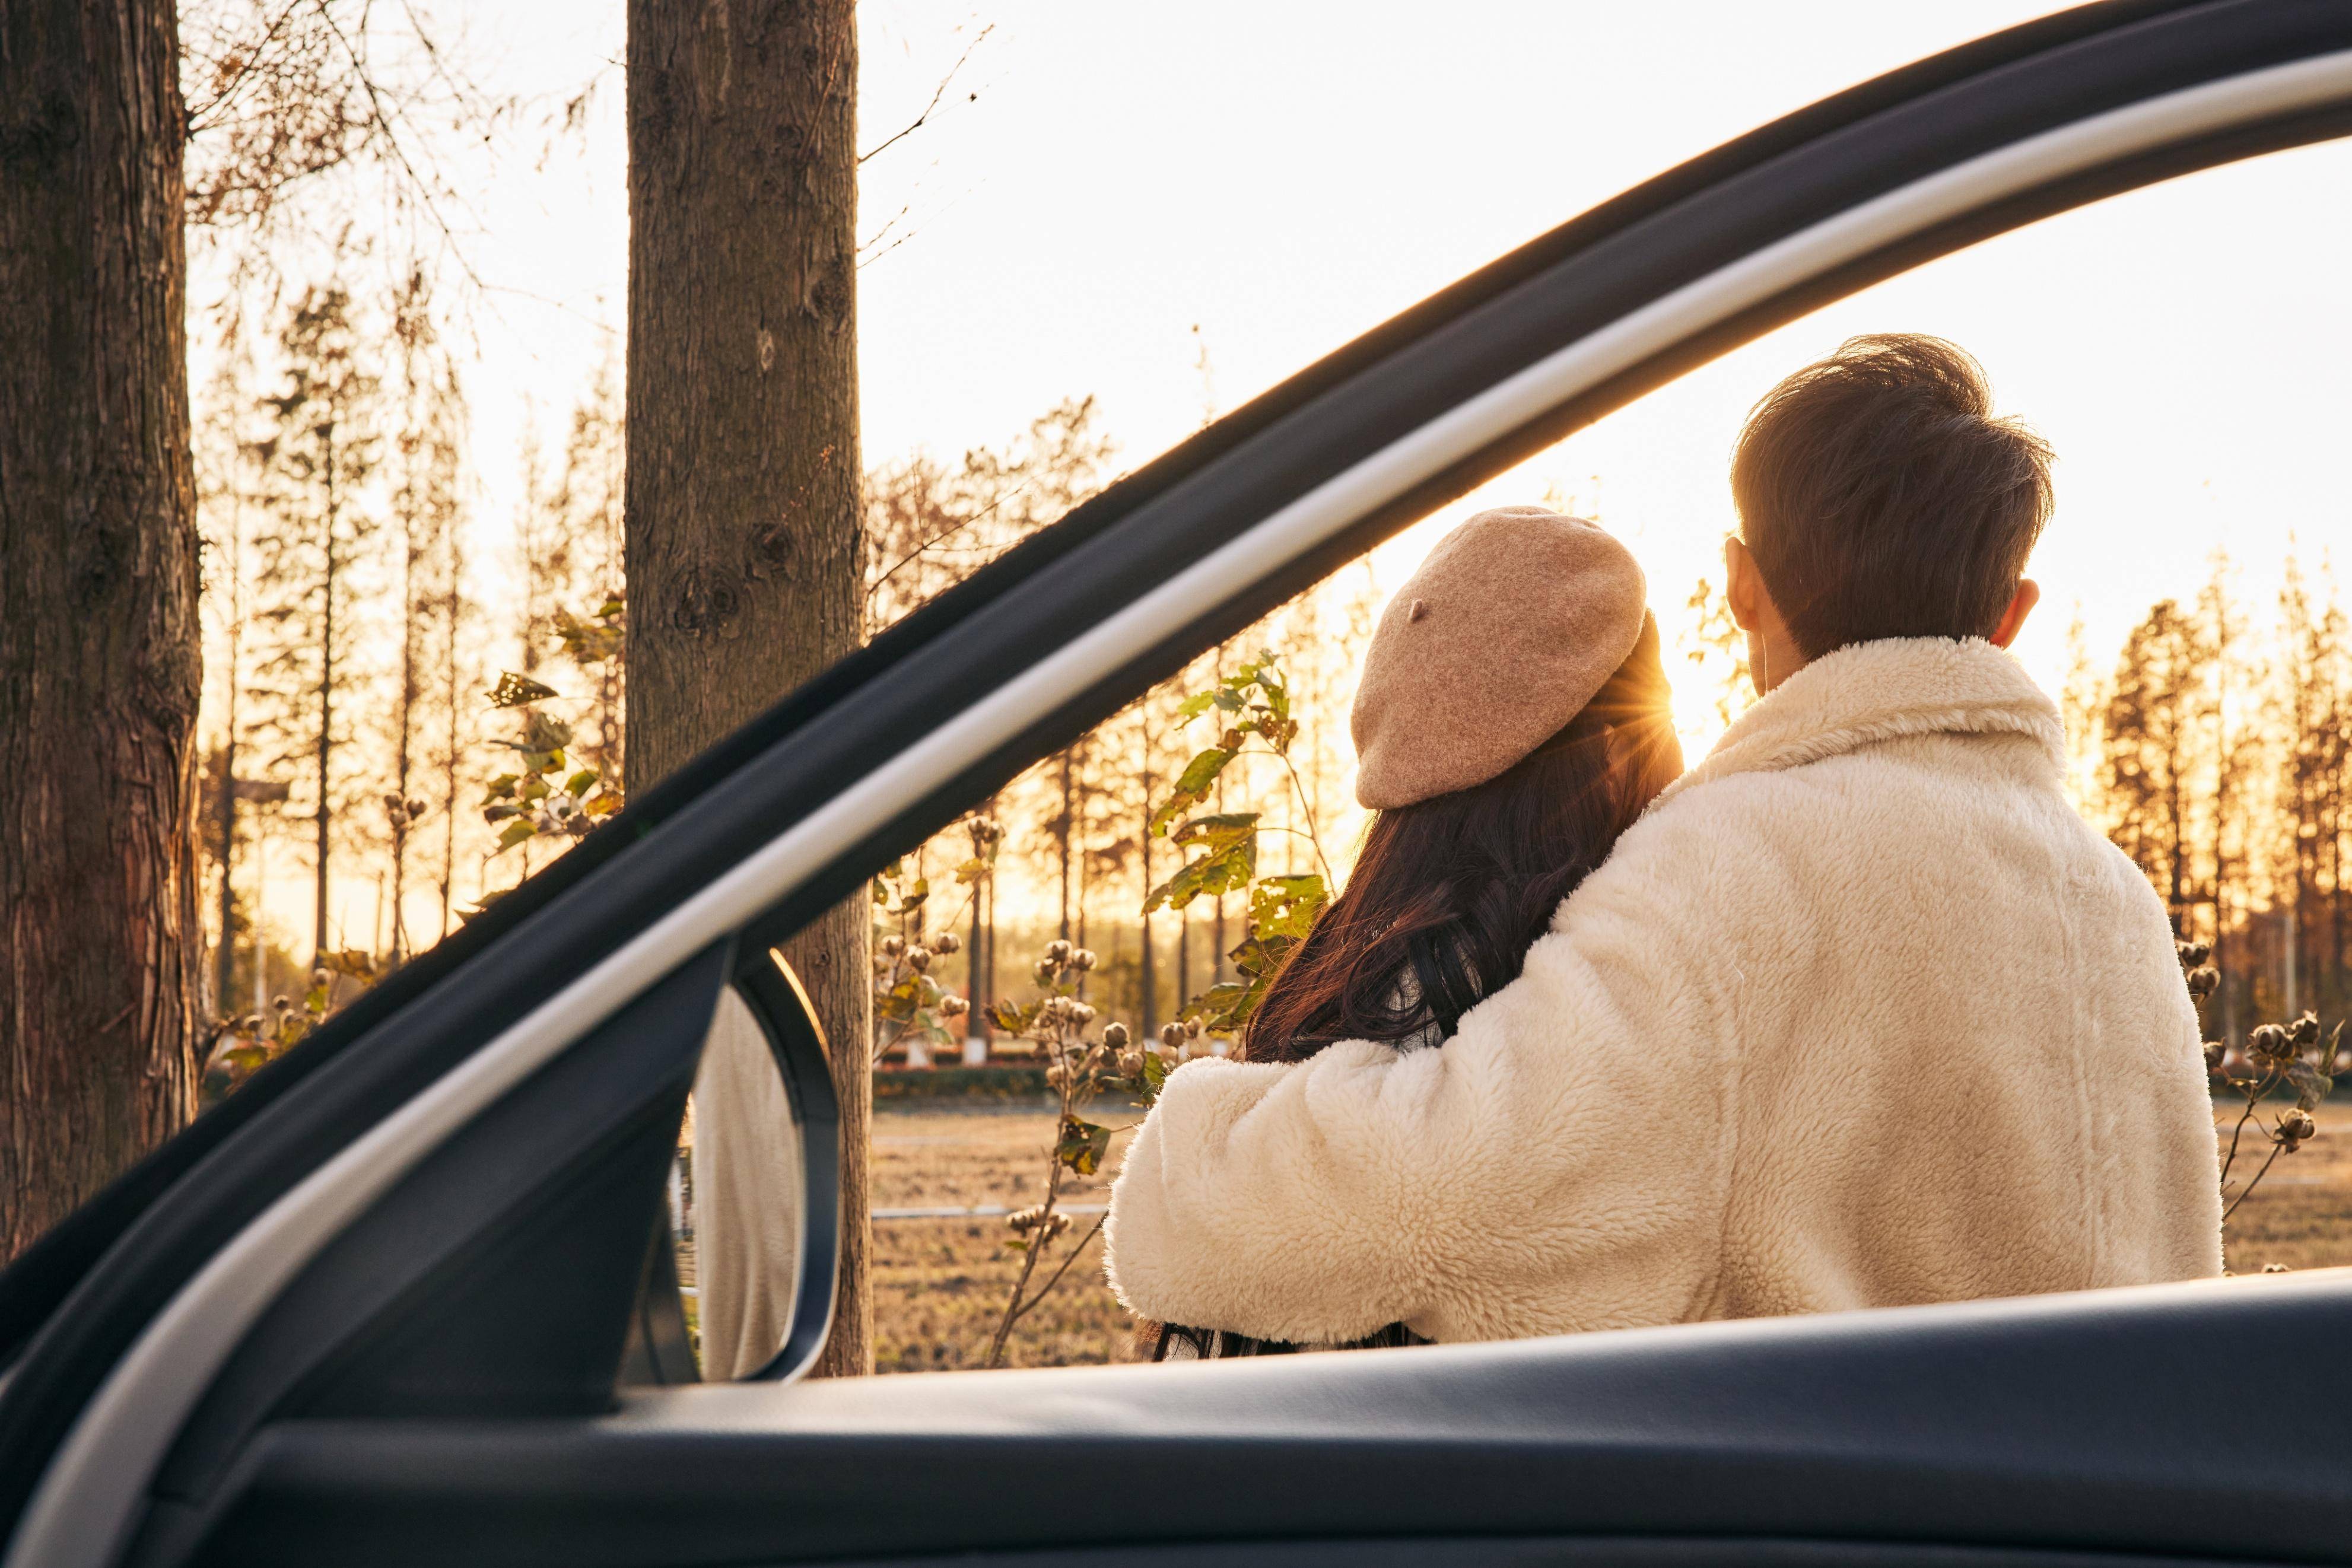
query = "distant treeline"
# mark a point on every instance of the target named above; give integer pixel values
(2215, 748)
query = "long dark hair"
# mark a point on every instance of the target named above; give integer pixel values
(1449, 894)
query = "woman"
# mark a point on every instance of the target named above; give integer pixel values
(1513, 720)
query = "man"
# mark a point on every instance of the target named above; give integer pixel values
(1860, 1014)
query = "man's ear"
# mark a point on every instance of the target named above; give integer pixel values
(1743, 585)
(2021, 605)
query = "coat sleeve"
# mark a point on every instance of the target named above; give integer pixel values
(1559, 1164)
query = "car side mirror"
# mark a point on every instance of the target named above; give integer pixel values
(739, 1283)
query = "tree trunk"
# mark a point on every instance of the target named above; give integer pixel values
(1148, 1004)
(326, 723)
(100, 948)
(741, 527)
(225, 951)
(1063, 829)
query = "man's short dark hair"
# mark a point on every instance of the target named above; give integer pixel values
(1881, 497)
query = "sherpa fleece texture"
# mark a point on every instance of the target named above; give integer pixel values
(1861, 1013)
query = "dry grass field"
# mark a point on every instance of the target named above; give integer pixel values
(2301, 1216)
(939, 1284)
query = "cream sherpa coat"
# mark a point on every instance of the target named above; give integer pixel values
(1860, 1013)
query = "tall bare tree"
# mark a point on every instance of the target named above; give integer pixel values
(745, 564)
(324, 445)
(101, 949)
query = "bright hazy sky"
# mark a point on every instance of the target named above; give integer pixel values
(1286, 176)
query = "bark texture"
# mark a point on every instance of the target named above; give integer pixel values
(99, 944)
(744, 560)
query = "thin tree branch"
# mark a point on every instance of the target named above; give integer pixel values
(938, 93)
(957, 526)
(1071, 1257)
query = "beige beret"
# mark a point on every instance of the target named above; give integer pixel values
(1506, 630)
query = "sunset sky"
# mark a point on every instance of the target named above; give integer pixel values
(1284, 177)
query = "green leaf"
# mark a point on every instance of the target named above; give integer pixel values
(1259, 957)
(1286, 905)
(1193, 707)
(1082, 1145)
(1012, 1018)
(501, 786)
(1190, 788)
(484, 902)
(900, 1002)
(516, 831)
(2311, 1085)
(1215, 1007)
(577, 785)
(544, 732)
(1149, 1078)
(1229, 701)
(514, 690)
(352, 961)
(1231, 862)
(915, 897)
(971, 871)
(1221, 831)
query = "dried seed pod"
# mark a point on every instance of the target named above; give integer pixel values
(953, 1007)
(2296, 1127)
(1084, 958)
(2214, 1052)
(918, 958)
(2203, 982)
(1024, 1220)
(2268, 1042)
(1172, 1035)
(1083, 1014)
(2194, 954)
(892, 945)
(318, 978)
(1044, 971)
(2276, 1269)
(1115, 1036)
(282, 1004)
(2306, 1029)
(948, 942)
(1057, 953)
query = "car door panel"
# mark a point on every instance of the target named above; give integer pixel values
(2099, 1423)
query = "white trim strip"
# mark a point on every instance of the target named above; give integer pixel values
(92, 1492)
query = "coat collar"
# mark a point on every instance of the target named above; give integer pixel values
(1874, 692)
